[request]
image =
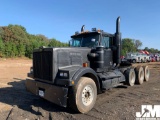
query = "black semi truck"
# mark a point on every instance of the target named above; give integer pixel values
(73, 76)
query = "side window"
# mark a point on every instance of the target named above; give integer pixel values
(105, 42)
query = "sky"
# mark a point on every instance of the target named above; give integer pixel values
(59, 19)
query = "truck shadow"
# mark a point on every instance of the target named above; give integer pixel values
(15, 94)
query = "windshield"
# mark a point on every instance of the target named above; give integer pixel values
(85, 41)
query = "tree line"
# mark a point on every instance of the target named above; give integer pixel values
(15, 41)
(132, 45)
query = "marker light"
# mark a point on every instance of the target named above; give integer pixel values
(85, 64)
(99, 30)
(94, 29)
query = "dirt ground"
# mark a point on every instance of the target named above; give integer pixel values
(120, 103)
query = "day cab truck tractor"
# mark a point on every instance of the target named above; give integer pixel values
(73, 76)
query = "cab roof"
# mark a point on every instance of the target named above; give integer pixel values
(88, 33)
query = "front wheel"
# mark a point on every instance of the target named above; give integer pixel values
(83, 95)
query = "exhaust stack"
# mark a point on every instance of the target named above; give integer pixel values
(118, 25)
(118, 43)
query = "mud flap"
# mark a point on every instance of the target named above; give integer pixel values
(52, 93)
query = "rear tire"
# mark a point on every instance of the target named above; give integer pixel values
(83, 95)
(130, 77)
(146, 73)
(139, 75)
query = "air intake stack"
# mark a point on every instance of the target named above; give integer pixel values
(117, 43)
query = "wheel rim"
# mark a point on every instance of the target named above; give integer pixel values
(87, 95)
(141, 75)
(132, 78)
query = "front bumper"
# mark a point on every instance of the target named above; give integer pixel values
(52, 93)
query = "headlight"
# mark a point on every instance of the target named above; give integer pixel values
(64, 74)
(61, 74)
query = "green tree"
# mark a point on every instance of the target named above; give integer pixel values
(8, 49)
(146, 48)
(151, 50)
(1, 47)
(138, 44)
(55, 43)
(21, 50)
(128, 46)
(16, 42)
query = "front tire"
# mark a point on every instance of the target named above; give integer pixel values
(83, 95)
